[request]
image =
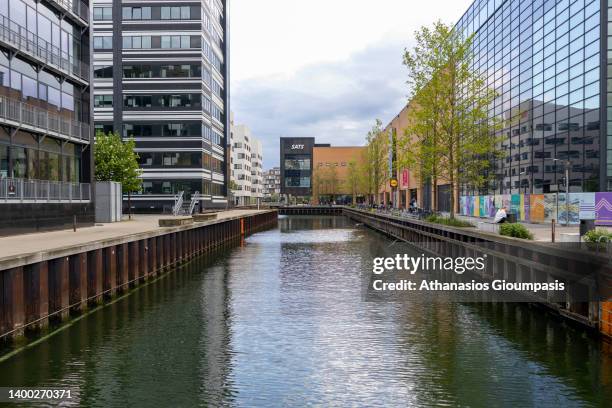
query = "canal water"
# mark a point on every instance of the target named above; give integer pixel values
(282, 321)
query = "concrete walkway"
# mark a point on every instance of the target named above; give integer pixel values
(18, 245)
(541, 232)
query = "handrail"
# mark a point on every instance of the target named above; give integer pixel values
(178, 203)
(26, 41)
(194, 200)
(47, 122)
(77, 7)
(19, 190)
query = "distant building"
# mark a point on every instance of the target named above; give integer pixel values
(336, 170)
(246, 166)
(272, 183)
(316, 172)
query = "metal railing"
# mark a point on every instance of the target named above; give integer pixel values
(28, 42)
(77, 7)
(42, 120)
(195, 198)
(19, 190)
(178, 203)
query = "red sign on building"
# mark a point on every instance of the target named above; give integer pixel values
(405, 178)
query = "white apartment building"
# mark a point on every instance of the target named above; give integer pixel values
(271, 182)
(246, 161)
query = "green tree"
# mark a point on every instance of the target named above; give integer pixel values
(117, 161)
(455, 137)
(377, 159)
(353, 180)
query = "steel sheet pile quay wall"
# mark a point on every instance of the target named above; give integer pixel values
(34, 290)
(310, 210)
(515, 261)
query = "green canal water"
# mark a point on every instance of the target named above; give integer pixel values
(282, 321)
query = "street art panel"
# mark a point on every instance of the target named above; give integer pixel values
(482, 206)
(603, 208)
(550, 207)
(515, 204)
(587, 205)
(491, 205)
(536, 208)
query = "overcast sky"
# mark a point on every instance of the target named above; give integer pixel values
(323, 68)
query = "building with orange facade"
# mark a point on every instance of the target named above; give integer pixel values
(335, 173)
(409, 184)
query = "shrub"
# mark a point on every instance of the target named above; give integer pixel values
(451, 222)
(598, 235)
(515, 230)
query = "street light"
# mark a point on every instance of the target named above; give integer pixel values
(566, 164)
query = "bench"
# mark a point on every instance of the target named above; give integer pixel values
(204, 217)
(175, 221)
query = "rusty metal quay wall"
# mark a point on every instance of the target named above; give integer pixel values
(515, 261)
(310, 210)
(37, 288)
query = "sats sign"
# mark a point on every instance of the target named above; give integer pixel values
(297, 147)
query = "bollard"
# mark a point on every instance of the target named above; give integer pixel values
(552, 230)
(74, 223)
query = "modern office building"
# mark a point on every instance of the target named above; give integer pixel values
(548, 62)
(296, 166)
(45, 114)
(161, 77)
(246, 161)
(271, 183)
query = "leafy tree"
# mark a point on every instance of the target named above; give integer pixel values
(353, 180)
(377, 157)
(117, 161)
(450, 135)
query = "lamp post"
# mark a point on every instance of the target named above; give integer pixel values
(566, 164)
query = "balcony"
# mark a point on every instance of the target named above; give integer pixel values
(39, 120)
(15, 190)
(76, 7)
(28, 43)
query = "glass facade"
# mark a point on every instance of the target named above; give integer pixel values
(543, 59)
(44, 91)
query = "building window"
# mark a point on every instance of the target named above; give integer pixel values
(103, 42)
(103, 13)
(103, 101)
(103, 71)
(136, 13)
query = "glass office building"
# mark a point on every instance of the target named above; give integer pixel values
(161, 76)
(547, 60)
(45, 114)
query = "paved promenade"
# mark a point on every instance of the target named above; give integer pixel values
(541, 232)
(41, 242)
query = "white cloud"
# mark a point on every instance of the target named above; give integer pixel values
(323, 68)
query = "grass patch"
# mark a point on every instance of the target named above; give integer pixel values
(451, 222)
(515, 231)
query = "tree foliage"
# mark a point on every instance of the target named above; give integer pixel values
(117, 161)
(353, 180)
(376, 167)
(450, 136)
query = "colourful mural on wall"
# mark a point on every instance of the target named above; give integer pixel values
(603, 208)
(536, 208)
(543, 207)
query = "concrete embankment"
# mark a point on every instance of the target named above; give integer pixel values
(70, 271)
